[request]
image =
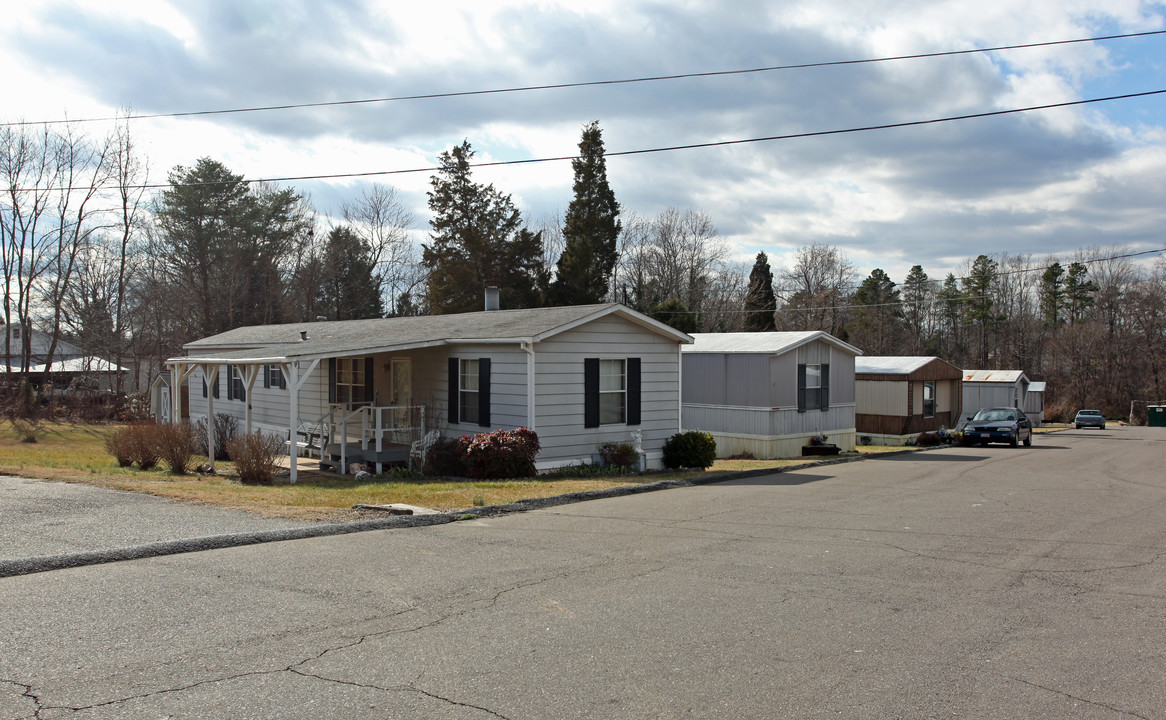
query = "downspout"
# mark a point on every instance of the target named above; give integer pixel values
(679, 389)
(528, 347)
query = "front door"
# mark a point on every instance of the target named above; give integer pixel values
(401, 381)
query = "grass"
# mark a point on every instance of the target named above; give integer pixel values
(76, 453)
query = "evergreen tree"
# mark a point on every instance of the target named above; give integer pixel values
(877, 327)
(1079, 292)
(760, 300)
(950, 306)
(349, 288)
(675, 313)
(1052, 294)
(917, 300)
(477, 238)
(979, 296)
(591, 229)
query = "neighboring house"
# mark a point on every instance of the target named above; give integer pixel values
(38, 344)
(768, 393)
(897, 398)
(1034, 403)
(578, 376)
(992, 388)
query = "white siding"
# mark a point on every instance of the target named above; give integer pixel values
(881, 397)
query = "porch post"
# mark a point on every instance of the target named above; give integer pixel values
(211, 372)
(293, 440)
(175, 394)
(250, 372)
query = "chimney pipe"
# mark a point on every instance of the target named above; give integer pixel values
(492, 292)
(303, 335)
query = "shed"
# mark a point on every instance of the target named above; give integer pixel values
(365, 390)
(768, 393)
(992, 388)
(899, 397)
(1034, 403)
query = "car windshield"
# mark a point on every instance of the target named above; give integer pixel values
(994, 416)
(1090, 412)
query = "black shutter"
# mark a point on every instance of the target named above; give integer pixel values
(825, 386)
(453, 388)
(484, 392)
(218, 377)
(369, 385)
(633, 391)
(230, 382)
(801, 387)
(266, 376)
(590, 392)
(331, 380)
(204, 385)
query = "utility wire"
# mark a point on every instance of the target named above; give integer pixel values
(671, 148)
(592, 83)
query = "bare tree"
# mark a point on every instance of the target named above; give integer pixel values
(381, 218)
(816, 290)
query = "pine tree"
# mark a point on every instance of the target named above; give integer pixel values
(877, 316)
(592, 226)
(477, 238)
(917, 299)
(350, 288)
(1079, 292)
(760, 300)
(1052, 294)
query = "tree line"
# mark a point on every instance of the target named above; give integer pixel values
(91, 255)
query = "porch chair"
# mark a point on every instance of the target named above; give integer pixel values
(419, 448)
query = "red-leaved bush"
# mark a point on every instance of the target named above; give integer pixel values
(500, 454)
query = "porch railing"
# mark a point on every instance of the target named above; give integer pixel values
(371, 424)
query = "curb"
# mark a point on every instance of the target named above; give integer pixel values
(47, 563)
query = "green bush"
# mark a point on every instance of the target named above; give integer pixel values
(619, 454)
(255, 456)
(692, 449)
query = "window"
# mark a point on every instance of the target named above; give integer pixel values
(15, 333)
(929, 398)
(612, 392)
(813, 387)
(468, 390)
(273, 377)
(236, 388)
(350, 381)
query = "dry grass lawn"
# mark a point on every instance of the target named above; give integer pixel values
(76, 453)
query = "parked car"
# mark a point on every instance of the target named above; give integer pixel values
(1089, 418)
(1008, 425)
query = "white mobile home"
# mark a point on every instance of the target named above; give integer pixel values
(578, 376)
(769, 393)
(993, 388)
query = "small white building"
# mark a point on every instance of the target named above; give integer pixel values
(578, 376)
(993, 388)
(1034, 402)
(768, 393)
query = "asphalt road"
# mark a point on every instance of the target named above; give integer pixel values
(962, 583)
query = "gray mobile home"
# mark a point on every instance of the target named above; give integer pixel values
(578, 376)
(993, 388)
(768, 393)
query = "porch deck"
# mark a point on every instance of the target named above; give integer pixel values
(390, 454)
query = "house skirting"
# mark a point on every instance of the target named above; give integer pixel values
(770, 447)
(865, 438)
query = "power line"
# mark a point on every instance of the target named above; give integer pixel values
(670, 148)
(591, 83)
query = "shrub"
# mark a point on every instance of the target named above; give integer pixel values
(619, 454)
(120, 444)
(254, 455)
(144, 444)
(445, 458)
(500, 454)
(692, 449)
(226, 426)
(177, 446)
(585, 470)
(398, 474)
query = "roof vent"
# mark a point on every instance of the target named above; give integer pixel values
(303, 335)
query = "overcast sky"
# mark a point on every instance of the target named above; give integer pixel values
(1039, 183)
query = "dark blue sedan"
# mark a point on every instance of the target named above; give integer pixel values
(1008, 425)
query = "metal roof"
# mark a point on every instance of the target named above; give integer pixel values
(338, 338)
(73, 365)
(1037, 386)
(772, 343)
(891, 364)
(999, 376)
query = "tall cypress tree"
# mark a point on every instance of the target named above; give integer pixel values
(760, 301)
(349, 288)
(591, 228)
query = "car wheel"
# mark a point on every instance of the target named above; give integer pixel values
(1012, 442)
(1078, 426)
(1028, 441)
(1102, 427)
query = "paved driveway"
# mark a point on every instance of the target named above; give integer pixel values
(39, 518)
(963, 583)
